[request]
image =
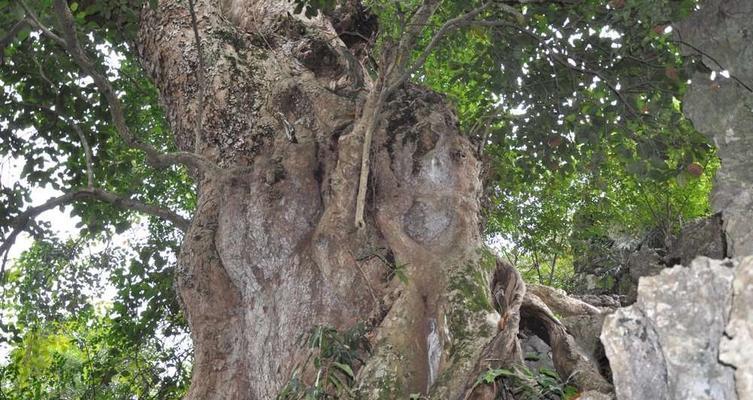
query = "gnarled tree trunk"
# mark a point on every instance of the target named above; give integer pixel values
(283, 105)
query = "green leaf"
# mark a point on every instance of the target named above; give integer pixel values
(23, 34)
(549, 372)
(345, 368)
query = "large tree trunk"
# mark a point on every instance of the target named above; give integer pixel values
(273, 249)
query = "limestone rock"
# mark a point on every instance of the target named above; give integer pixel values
(601, 300)
(666, 345)
(721, 108)
(536, 352)
(645, 262)
(737, 345)
(704, 237)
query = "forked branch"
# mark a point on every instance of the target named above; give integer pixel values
(396, 72)
(449, 26)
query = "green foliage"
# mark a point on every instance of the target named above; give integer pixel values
(66, 343)
(576, 109)
(528, 385)
(80, 359)
(328, 371)
(44, 96)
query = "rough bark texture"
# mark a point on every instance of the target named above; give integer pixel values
(273, 251)
(721, 33)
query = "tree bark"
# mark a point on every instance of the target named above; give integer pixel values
(272, 250)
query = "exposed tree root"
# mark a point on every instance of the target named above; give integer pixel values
(559, 302)
(570, 360)
(530, 310)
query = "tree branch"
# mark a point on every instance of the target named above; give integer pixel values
(32, 18)
(447, 27)
(718, 64)
(378, 99)
(70, 42)
(396, 65)
(569, 359)
(561, 303)
(87, 154)
(21, 222)
(387, 85)
(417, 23)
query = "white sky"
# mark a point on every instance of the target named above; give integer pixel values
(62, 223)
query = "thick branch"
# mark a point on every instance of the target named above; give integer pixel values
(72, 45)
(133, 204)
(21, 222)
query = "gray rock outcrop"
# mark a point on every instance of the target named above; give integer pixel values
(620, 267)
(721, 33)
(737, 344)
(704, 237)
(688, 336)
